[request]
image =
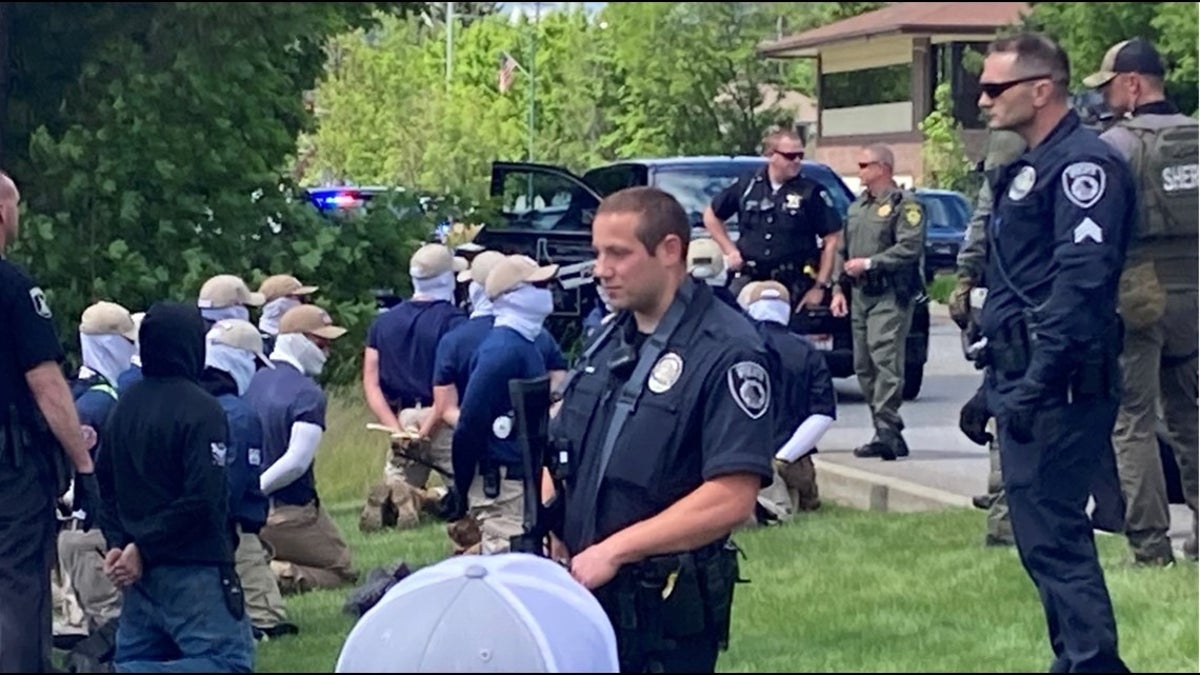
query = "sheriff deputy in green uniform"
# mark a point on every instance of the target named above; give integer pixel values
(879, 267)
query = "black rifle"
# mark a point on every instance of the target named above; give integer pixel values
(531, 422)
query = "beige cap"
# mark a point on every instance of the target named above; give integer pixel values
(515, 270)
(1130, 56)
(240, 335)
(432, 260)
(768, 290)
(108, 318)
(743, 298)
(705, 251)
(227, 290)
(282, 285)
(481, 266)
(310, 319)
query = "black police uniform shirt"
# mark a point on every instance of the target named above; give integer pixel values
(485, 425)
(455, 352)
(248, 506)
(27, 339)
(406, 337)
(1059, 233)
(803, 384)
(778, 225)
(705, 412)
(161, 467)
(282, 396)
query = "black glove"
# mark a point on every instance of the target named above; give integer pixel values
(973, 418)
(1020, 424)
(87, 498)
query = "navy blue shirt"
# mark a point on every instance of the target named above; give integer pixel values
(457, 348)
(1059, 232)
(504, 355)
(801, 378)
(248, 506)
(94, 400)
(406, 337)
(283, 396)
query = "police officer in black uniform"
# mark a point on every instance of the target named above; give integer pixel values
(782, 217)
(39, 425)
(669, 416)
(1056, 245)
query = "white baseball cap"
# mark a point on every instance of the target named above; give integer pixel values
(507, 612)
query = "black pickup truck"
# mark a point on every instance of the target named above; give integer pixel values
(546, 213)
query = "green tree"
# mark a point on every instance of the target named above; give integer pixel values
(151, 159)
(945, 158)
(1087, 30)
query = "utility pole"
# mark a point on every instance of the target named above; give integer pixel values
(449, 42)
(537, 15)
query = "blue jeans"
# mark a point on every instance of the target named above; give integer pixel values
(175, 619)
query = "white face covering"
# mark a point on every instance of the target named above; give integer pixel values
(273, 311)
(770, 309)
(230, 312)
(481, 305)
(108, 355)
(239, 363)
(523, 309)
(301, 352)
(705, 272)
(440, 287)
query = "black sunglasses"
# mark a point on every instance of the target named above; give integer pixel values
(996, 89)
(790, 156)
(863, 165)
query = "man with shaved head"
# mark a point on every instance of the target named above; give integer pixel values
(40, 432)
(877, 280)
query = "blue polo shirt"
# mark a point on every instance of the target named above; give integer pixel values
(454, 353)
(406, 337)
(504, 355)
(282, 396)
(94, 400)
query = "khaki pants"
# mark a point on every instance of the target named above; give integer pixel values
(67, 616)
(309, 550)
(414, 473)
(800, 479)
(499, 518)
(264, 601)
(1157, 373)
(81, 555)
(879, 326)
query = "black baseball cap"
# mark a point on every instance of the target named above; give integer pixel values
(1130, 56)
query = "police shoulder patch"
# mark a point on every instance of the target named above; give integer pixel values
(1083, 183)
(750, 387)
(40, 306)
(912, 213)
(254, 456)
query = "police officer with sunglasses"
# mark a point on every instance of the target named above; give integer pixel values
(785, 219)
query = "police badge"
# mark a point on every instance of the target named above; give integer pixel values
(885, 210)
(1022, 183)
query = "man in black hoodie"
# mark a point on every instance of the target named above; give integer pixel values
(165, 514)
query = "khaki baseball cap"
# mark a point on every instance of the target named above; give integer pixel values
(432, 260)
(282, 285)
(705, 251)
(515, 270)
(767, 290)
(310, 319)
(240, 335)
(108, 318)
(1130, 56)
(227, 290)
(481, 265)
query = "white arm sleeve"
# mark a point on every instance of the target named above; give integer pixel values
(301, 450)
(805, 439)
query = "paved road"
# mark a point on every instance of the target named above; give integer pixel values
(941, 457)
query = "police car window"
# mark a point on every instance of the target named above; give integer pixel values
(545, 201)
(608, 179)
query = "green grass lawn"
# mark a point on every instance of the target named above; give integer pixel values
(839, 590)
(844, 590)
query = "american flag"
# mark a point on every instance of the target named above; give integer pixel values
(508, 66)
